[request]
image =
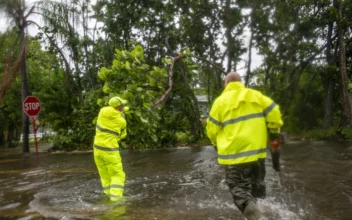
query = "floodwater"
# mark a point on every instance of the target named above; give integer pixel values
(179, 183)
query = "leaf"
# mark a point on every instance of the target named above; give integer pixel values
(132, 86)
(103, 73)
(128, 66)
(137, 53)
(168, 61)
(116, 63)
(127, 95)
(118, 52)
(106, 88)
(143, 120)
(146, 105)
(152, 82)
(138, 113)
(100, 102)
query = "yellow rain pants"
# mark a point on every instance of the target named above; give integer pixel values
(111, 173)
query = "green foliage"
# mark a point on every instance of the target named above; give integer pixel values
(347, 133)
(349, 86)
(47, 81)
(142, 85)
(305, 111)
(320, 134)
(132, 79)
(80, 132)
(290, 36)
(10, 113)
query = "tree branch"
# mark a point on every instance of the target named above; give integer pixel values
(29, 13)
(210, 62)
(69, 80)
(166, 95)
(305, 63)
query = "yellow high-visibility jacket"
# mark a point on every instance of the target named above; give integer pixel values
(238, 122)
(110, 128)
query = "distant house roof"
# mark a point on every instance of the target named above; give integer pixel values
(202, 98)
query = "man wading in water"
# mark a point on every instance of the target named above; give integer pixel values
(237, 127)
(110, 129)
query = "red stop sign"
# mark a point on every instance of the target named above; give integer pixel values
(31, 106)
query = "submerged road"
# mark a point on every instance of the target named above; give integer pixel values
(177, 183)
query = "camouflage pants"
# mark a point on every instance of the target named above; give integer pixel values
(246, 182)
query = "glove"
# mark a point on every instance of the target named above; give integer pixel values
(274, 130)
(275, 144)
(126, 109)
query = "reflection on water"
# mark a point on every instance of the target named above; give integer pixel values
(183, 183)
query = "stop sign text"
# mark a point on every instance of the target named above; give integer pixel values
(31, 106)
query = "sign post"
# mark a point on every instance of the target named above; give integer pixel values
(31, 106)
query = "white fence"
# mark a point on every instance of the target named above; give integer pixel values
(39, 135)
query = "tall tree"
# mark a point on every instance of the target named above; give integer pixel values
(345, 103)
(328, 75)
(10, 88)
(18, 11)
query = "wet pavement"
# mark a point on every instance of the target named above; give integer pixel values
(177, 183)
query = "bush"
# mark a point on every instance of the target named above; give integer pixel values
(321, 134)
(347, 133)
(69, 141)
(80, 134)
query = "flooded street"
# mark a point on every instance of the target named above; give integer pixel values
(182, 183)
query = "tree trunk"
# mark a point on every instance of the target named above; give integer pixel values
(329, 84)
(345, 104)
(11, 137)
(2, 137)
(25, 119)
(329, 95)
(249, 59)
(266, 77)
(228, 35)
(194, 117)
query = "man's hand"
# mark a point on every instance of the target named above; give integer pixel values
(274, 130)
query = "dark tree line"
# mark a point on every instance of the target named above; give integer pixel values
(305, 45)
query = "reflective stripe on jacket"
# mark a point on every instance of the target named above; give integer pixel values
(237, 124)
(110, 128)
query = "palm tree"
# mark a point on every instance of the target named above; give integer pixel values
(18, 12)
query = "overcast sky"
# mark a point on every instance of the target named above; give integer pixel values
(32, 30)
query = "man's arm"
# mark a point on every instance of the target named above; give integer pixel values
(117, 122)
(123, 133)
(213, 124)
(273, 117)
(272, 114)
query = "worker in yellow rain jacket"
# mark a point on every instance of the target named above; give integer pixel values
(110, 128)
(237, 126)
